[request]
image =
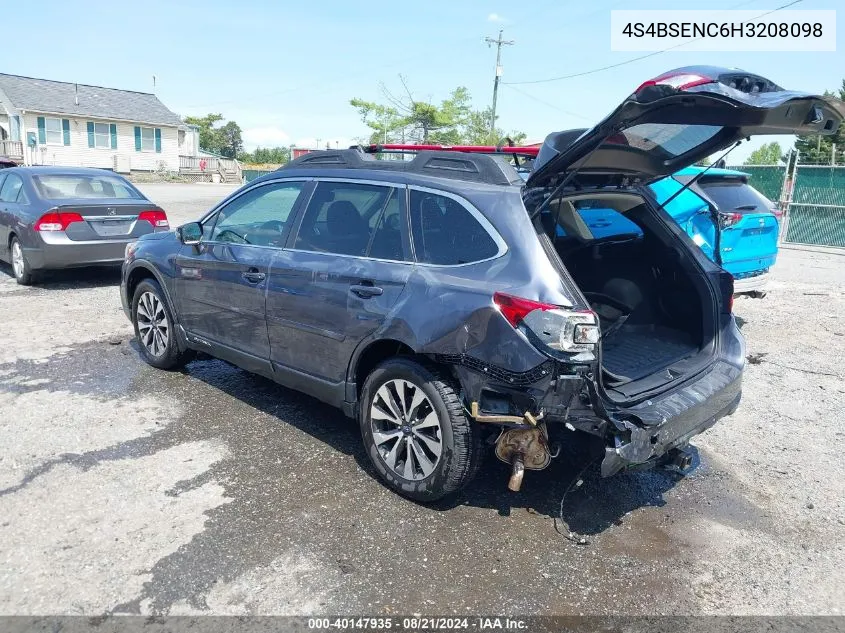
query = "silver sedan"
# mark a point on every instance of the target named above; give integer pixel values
(59, 217)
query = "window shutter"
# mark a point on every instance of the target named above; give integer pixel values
(113, 134)
(137, 139)
(158, 140)
(90, 134)
(42, 131)
(66, 131)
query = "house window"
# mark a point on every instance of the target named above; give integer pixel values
(53, 131)
(102, 136)
(148, 141)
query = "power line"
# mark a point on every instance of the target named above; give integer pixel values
(641, 57)
(546, 103)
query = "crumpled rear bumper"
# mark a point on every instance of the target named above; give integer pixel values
(654, 428)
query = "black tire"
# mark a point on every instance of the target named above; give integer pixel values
(169, 356)
(22, 271)
(460, 438)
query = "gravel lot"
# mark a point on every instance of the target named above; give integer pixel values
(129, 490)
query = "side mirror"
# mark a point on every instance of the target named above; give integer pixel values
(190, 233)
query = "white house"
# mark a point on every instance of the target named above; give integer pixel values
(44, 122)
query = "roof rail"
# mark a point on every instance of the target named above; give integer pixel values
(474, 167)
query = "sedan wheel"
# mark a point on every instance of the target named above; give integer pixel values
(23, 275)
(406, 430)
(153, 326)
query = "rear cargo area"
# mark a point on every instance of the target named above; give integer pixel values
(651, 300)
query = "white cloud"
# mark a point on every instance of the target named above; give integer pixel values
(495, 17)
(269, 136)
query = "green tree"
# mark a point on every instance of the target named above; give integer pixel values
(229, 138)
(209, 137)
(266, 155)
(767, 154)
(452, 122)
(818, 150)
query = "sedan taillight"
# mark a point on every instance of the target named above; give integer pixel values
(571, 331)
(56, 221)
(156, 217)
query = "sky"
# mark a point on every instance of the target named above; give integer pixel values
(286, 71)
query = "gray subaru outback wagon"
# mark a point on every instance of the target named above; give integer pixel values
(436, 301)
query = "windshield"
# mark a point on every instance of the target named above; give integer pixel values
(735, 195)
(75, 186)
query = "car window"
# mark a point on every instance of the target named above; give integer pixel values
(11, 188)
(668, 139)
(354, 219)
(261, 216)
(74, 186)
(735, 195)
(446, 233)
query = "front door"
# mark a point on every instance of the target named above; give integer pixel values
(221, 283)
(348, 265)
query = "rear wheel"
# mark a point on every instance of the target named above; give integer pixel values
(23, 273)
(416, 432)
(154, 327)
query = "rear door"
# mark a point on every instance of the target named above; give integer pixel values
(10, 202)
(347, 265)
(221, 282)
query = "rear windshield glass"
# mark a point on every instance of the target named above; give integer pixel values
(73, 186)
(672, 139)
(735, 195)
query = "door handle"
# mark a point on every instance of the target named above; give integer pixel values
(365, 291)
(253, 276)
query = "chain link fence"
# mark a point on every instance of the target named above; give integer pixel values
(812, 198)
(816, 213)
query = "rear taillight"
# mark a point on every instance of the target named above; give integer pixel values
(727, 220)
(56, 221)
(558, 328)
(156, 217)
(777, 212)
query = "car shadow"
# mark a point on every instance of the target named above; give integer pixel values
(72, 278)
(585, 508)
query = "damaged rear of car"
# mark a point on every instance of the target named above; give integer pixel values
(645, 353)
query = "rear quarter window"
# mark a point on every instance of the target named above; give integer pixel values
(447, 233)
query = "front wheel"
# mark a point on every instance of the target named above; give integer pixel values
(154, 327)
(416, 432)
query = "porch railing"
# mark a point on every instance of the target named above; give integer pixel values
(12, 149)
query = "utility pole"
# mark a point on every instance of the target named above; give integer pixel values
(499, 42)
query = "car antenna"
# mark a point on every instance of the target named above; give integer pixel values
(698, 176)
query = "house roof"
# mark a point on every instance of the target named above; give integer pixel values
(60, 97)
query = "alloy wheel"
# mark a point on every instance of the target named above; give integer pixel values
(406, 429)
(153, 326)
(18, 264)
